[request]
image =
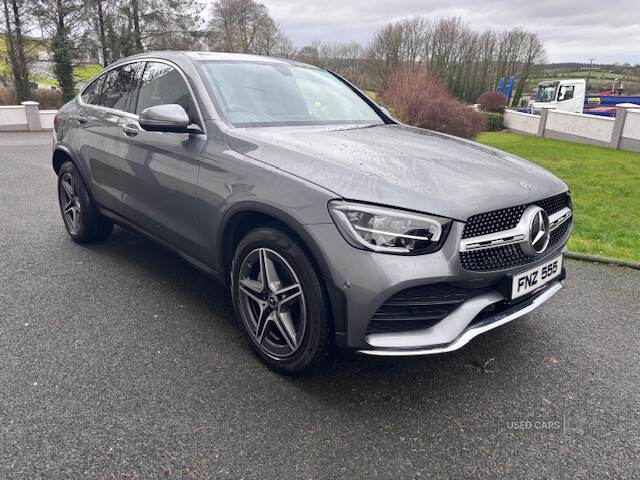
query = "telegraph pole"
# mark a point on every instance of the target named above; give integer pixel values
(589, 74)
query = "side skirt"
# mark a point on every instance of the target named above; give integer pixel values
(123, 222)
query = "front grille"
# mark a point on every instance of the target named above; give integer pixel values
(490, 222)
(420, 307)
(507, 218)
(510, 256)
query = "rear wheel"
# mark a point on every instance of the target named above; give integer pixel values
(280, 302)
(81, 217)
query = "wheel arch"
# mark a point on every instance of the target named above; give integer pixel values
(246, 216)
(60, 156)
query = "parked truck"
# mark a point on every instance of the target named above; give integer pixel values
(570, 96)
(565, 95)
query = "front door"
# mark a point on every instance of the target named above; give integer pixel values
(160, 169)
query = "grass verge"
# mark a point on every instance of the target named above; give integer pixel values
(605, 187)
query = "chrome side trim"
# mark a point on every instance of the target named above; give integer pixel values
(467, 335)
(517, 234)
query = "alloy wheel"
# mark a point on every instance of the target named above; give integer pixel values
(272, 302)
(70, 202)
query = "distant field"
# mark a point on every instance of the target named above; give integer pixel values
(82, 73)
(594, 76)
(604, 187)
(598, 81)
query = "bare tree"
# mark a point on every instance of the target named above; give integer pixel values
(245, 26)
(284, 47)
(468, 62)
(135, 18)
(162, 24)
(354, 65)
(532, 54)
(384, 51)
(14, 12)
(398, 43)
(310, 53)
(345, 59)
(101, 11)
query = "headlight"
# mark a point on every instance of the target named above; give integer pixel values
(388, 230)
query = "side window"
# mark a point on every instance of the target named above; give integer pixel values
(117, 86)
(162, 84)
(566, 92)
(92, 93)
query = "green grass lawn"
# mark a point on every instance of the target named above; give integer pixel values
(84, 73)
(605, 187)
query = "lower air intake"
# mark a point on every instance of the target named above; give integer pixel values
(418, 308)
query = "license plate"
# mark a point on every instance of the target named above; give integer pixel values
(527, 282)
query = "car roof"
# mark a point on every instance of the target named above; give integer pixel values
(196, 56)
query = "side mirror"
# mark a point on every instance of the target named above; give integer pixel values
(167, 118)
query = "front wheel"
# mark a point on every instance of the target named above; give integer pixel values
(279, 300)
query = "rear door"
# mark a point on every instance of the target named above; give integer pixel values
(103, 106)
(90, 133)
(160, 169)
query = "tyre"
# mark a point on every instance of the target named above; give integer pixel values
(81, 217)
(280, 302)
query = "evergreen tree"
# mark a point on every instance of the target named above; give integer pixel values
(63, 21)
(63, 64)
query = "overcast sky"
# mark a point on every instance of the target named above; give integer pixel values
(608, 30)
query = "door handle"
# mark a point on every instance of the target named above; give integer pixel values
(130, 129)
(81, 119)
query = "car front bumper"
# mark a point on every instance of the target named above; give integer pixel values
(367, 279)
(458, 324)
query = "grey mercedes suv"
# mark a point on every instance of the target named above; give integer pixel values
(332, 224)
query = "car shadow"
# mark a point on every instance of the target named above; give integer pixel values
(351, 376)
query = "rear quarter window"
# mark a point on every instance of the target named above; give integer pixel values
(117, 87)
(92, 92)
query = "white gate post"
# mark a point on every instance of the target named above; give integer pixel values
(618, 127)
(33, 116)
(544, 114)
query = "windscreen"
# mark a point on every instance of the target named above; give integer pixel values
(546, 93)
(267, 94)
